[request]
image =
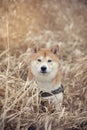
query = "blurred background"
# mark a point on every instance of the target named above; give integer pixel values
(43, 21)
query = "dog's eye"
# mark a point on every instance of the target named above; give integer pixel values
(39, 60)
(49, 60)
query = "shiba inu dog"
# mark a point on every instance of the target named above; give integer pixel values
(46, 69)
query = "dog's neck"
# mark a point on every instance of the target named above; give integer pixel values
(47, 86)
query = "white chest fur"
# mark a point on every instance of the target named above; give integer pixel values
(48, 87)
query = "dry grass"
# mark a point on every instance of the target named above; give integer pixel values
(44, 23)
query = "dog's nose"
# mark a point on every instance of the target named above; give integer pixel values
(43, 69)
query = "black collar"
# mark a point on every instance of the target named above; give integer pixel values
(54, 92)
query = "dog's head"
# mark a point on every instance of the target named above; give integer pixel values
(45, 63)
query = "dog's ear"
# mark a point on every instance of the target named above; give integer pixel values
(35, 49)
(55, 49)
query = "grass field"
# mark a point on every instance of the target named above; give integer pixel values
(22, 24)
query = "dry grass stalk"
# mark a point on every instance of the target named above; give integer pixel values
(20, 104)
